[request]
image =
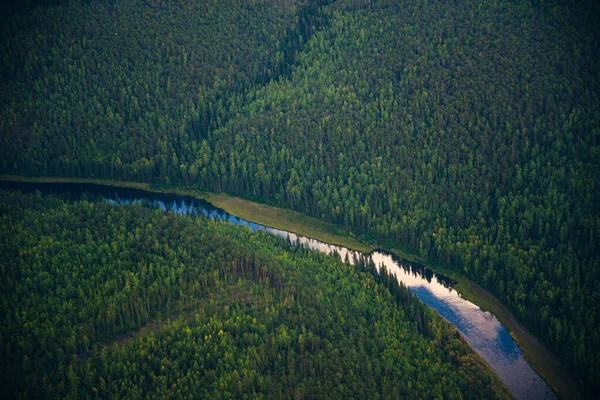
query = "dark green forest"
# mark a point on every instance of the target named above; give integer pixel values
(224, 313)
(468, 132)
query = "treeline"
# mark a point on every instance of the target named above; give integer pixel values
(468, 132)
(255, 315)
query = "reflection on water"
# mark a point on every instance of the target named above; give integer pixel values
(486, 335)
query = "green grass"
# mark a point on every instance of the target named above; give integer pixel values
(540, 358)
(287, 220)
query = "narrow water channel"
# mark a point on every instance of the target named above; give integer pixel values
(486, 335)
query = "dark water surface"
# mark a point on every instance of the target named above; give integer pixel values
(486, 335)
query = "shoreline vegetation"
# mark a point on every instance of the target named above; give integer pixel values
(541, 359)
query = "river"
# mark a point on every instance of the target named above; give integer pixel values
(482, 330)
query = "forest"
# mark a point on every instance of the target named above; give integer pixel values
(216, 311)
(468, 132)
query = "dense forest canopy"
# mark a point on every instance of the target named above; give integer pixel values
(225, 313)
(467, 131)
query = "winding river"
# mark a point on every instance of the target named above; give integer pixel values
(486, 335)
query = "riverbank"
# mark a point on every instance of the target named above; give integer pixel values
(273, 217)
(540, 358)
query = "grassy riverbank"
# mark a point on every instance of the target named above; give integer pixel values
(541, 359)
